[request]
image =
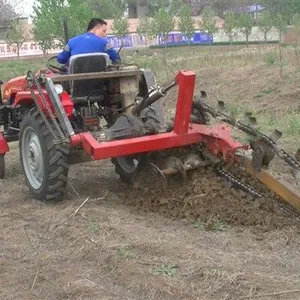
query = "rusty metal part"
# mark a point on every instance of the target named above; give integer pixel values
(249, 119)
(262, 154)
(173, 166)
(280, 187)
(276, 135)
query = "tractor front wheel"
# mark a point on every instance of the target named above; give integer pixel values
(45, 164)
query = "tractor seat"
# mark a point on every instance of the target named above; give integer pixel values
(90, 88)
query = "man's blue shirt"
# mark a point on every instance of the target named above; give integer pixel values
(87, 43)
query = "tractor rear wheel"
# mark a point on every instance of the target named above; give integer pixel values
(2, 167)
(199, 115)
(45, 164)
(127, 167)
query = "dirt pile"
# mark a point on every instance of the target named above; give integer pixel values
(209, 201)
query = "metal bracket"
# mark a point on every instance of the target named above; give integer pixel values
(59, 110)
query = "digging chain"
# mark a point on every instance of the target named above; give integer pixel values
(255, 133)
(269, 141)
(237, 183)
(33, 81)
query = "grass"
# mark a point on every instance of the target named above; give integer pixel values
(168, 270)
(219, 225)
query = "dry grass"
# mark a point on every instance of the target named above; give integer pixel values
(92, 246)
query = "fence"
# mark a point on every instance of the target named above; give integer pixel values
(134, 41)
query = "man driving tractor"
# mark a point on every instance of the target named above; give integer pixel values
(90, 42)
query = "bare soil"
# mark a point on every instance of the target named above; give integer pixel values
(199, 239)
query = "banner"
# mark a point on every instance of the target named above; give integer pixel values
(179, 38)
(130, 41)
(27, 49)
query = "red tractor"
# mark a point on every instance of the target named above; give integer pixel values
(100, 111)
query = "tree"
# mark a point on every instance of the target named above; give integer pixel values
(170, 6)
(106, 9)
(186, 23)
(286, 8)
(296, 23)
(120, 26)
(208, 22)
(42, 37)
(16, 36)
(144, 27)
(265, 24)
(49, 15)
(296, 29)
(162, 24)
(230, 25)
(245, 24)
(281, 24)
(7, 12)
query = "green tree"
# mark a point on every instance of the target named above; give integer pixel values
(16, 36)
(286, 8)
(186, 23)
(171, 6)
(49, 14)
(42, 37)
(144, 27)
(281, 25)
(162, 24)
(120, 26)
(208, 22)
(106, 9)
(245, 24)
(296, 28)
(265, 24)
(230, 25)
(7, 12)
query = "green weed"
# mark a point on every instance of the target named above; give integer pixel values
(219, 225)
(169, 270)
(271, 58)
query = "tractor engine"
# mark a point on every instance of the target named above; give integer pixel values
(115, 100)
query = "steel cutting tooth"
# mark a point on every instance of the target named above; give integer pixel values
(221, 105)
(175, 163)
(276, 135)
(158, 171)
(193, 161)
(252, 121)
(249, 119)
(203, 94)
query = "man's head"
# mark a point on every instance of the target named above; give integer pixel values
(98, 27)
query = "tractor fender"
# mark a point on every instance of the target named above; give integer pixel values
(3, 145)
(25, 98)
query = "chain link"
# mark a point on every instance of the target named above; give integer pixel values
(33, 81)
(255, 133)
(237, 183)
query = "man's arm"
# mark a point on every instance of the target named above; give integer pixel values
(113, 54)
(63, 57)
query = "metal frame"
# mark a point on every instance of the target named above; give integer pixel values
(218, 139)
(96, 75)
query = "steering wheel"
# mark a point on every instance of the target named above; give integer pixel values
(58, 70)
